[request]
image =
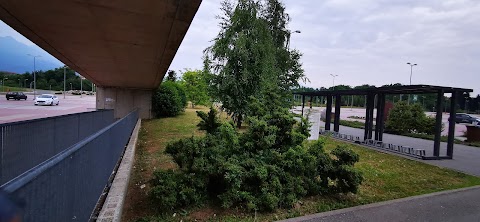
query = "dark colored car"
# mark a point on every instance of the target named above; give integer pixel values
(16, 96)
(465, 118)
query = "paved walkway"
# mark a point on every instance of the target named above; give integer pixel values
(457, 205)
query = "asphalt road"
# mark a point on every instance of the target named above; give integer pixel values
(13, 110)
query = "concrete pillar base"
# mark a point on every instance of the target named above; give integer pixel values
(123, 101)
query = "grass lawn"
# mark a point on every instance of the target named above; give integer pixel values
(13, 89)
(387, 177)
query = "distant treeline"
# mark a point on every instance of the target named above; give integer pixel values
(50, 79)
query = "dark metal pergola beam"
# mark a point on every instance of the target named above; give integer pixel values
(381, 92)
(411, 89)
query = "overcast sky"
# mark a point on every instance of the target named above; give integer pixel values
(369, 41)
(364, 41)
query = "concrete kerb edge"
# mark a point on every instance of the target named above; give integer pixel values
(374, 205)
(113, 206)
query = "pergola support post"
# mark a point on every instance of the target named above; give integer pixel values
(438, 124)
(370, 124)
(369, 116)
(451, 124)
(328, 113)
(380, 116)
(336, 122)
(303, 103)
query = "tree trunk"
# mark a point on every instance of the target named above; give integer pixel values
(239, 121)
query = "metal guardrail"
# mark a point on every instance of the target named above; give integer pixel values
(67, 186)
(25, 144)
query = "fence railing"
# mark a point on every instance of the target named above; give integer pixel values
(26, 144)
(67, 186)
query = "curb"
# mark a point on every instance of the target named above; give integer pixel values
(112, 208)
(374, 205)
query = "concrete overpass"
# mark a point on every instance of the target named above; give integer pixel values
(125, 47)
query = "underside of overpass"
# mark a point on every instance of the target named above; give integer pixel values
(125, 47)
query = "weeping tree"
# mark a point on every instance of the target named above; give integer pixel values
(250, 58)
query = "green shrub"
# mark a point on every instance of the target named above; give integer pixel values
(168, 100)
(176, 189)
(404, 119)
(210, 121)
(265, 168)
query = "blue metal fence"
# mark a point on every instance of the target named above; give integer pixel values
(26, 144)
(67, 186)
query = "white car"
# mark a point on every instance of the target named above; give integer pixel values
(47, 99)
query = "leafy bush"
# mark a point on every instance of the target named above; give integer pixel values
(264, 168)
(168, 100)
(404, 119)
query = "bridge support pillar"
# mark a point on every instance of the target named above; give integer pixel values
(123, 101)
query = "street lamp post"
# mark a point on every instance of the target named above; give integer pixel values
(411, 73)
(64, 80)
(3, 84)
(411, 70)
(333, 80)
(288, 39)
(34, 75)
(81, 87)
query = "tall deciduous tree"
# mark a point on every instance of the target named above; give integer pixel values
(195, 86)
(250, 57)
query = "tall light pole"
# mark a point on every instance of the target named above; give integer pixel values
(3, 84)
(288, 39)
(34, 75)
(64, 80)
(333, 80)
(81, 86)
(411, 72)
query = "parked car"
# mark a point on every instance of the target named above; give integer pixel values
(47, 99)
(16, 96)
(465, 118)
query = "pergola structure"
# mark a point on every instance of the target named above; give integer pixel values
(380, 93)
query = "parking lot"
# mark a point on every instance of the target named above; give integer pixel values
(18, 110)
